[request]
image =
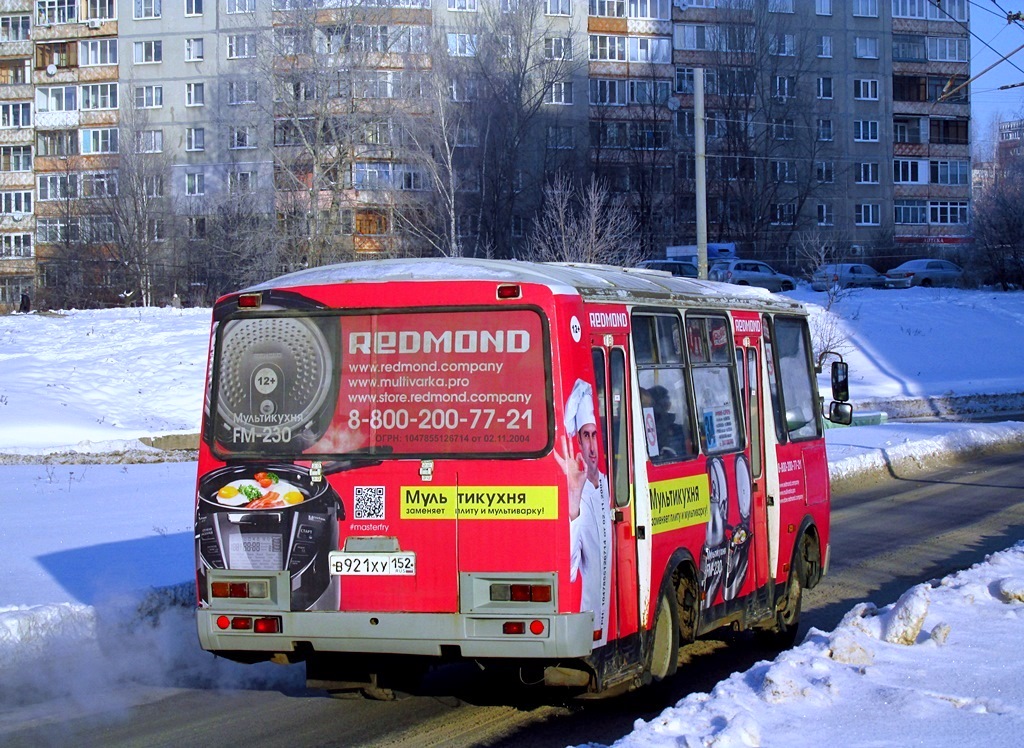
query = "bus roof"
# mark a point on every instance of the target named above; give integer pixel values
(592, 282)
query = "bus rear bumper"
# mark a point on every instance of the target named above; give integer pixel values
(425, 634)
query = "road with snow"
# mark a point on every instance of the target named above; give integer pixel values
(904, 529)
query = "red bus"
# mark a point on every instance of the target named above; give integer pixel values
(566, 470)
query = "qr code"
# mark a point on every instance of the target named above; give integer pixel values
(369, 502)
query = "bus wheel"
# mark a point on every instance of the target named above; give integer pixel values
(664, 648)
(787, 616)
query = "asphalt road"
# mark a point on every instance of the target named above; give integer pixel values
(886, 537)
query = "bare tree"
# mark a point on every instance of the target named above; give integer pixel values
(583, 224)
(999, 227)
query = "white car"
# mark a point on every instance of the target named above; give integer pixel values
(925, 273)
(846, 275)
(751, 273)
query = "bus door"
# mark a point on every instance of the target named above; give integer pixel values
(748, 366)
(612, 386)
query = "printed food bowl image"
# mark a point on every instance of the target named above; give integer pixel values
(271, 517)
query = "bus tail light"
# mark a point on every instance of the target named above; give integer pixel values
(521, 593)
(250, 301)
(266, 625)
(509, 291)
(252, 589)
(513, 627)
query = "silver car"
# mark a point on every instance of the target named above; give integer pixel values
(925, 273)
(846, 275)
(751, 273)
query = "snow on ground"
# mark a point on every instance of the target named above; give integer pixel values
(98, 557)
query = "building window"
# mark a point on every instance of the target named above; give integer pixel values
(149, 141)
(15, 28)
(910, 212)
(825, 88)
(906, 171)
(865, 131)
(783, 172)
(241, 92)
(559, 92)
(462, 45)
(947, 212)
(241, 46)
(604, 47)
(99, 184)
(908, 48)
(465, 5)
(193, 7)
(780, 6)
(608, 91)
(823, 7)
(826, 131)
(782, 45)
(865, 8)
(950, 172)
(15, 72)
(148, 52)
(16, 245)
(16, 202)
(866, 47)
(825, 172)
(99, 96)
(195, 139)
(195, 94)
(195, 183)
(101, 10)
(650, 49)
(194, 49)
(558, 48)
(156, 229)
(57, 99)
(607, 8)
(16, 158)
(97, 52)
(153, 185)
(58, 187)
(867, 214)
(242, 137)
(865, 89)
(241, 6)
(557, 7)
(57, 143)
(56, 11)
(783, 129)
(825, 46)
(148, 9)
(240, 182)
(867, 172)
(15, 115)
(947, 49)
(783, 214)
(149, 97)
(826, 214)
(948, 131)
(649, 92)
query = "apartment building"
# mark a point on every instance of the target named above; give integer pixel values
(827, 123)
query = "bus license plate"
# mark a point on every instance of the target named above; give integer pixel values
(373, 564)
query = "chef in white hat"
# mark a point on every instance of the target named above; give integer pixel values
(590, 521)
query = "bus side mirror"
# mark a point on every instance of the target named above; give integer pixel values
(840, 381)
(840, 413)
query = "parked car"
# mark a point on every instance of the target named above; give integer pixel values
(676, 267)
(846, 275)
(751, 273)
(925, 273)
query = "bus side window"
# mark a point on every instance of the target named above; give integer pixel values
(796, 376)
(714, 384)
(620, 433)
(661, 374)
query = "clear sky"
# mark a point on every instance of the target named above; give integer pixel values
(991, 38)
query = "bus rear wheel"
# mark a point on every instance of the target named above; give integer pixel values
(664, 646)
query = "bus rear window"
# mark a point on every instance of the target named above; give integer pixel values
(324, 385)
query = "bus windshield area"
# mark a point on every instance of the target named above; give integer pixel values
(426, 383)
